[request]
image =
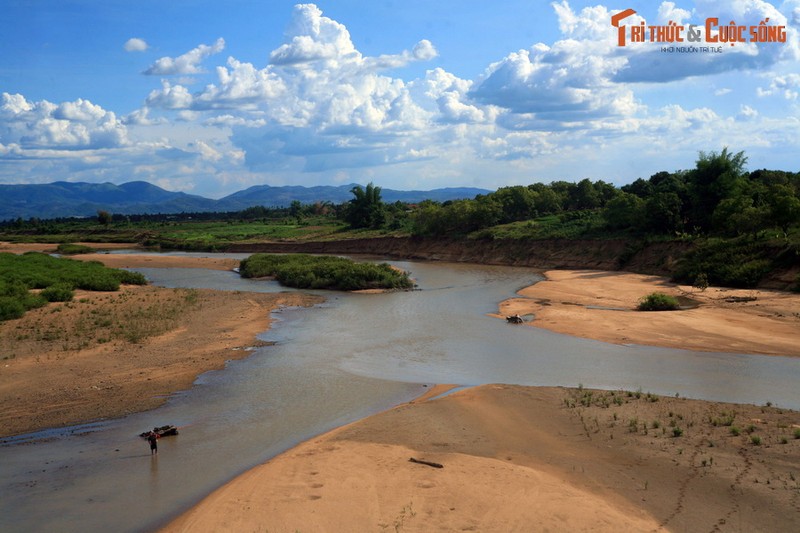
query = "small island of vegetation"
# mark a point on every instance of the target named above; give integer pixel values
(314, 272)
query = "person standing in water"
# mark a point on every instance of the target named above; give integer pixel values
(152, 438)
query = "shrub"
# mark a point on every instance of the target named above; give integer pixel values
(755, 439)
(701, 281)
(10, 308)
(727, 262)
(58, 292)
(658, 301)
(97, 281)
(33, 301)
(725, 420)
(127, 277)
(57, 277)
(73, 249)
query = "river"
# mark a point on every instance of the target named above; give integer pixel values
(350, 357)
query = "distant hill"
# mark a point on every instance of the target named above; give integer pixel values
(65, 199)
(269, 196)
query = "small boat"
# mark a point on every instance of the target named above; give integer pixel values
(162, 431)
(514, 319)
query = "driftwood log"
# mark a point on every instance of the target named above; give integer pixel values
(427, 463)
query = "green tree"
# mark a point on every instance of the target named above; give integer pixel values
(564, 190)
(624, 211)
(484, 213)
(605, 191)
(546, 201)
(104, 217)
(717, 176)
(738, 216)
(426, 218)
(366, 210)
(458, 217)
(640, 188)
(585, 196)
(295, 209)
(784, 207)
(662, 212)
(517, 203)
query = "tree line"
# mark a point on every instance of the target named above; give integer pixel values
(717, 196)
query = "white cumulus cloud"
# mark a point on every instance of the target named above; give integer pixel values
(135, 45)
(316, 79)
(188, 63)
(571, 80)
(170, 97)
(71, 125)
(313, 37)
(668, 12)
(787, 86)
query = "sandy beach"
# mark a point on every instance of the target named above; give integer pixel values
(513, 458)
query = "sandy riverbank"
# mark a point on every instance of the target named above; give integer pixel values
(108, 354)
(514, 458)
(601, 305)
(527, 459)
(548, 459)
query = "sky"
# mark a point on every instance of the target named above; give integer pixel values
(211, 97)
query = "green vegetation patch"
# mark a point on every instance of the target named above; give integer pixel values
(57, 277)
(740, 262)
(658, 301)
(74, 249)
(324, 272)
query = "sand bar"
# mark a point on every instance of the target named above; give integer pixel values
(602, 305)
(526, 459)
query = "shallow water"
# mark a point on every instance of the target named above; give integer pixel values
(352, 356)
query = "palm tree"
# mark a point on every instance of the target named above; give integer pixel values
(366, 210)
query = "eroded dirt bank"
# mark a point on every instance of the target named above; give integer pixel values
(659, 258)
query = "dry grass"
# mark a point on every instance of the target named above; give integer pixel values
(97, 318)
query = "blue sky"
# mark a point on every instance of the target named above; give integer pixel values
(212, 97)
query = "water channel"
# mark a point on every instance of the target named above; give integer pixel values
(351, 356)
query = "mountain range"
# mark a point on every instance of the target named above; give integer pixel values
(67, 199)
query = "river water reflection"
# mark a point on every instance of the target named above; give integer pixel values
(351, 356)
